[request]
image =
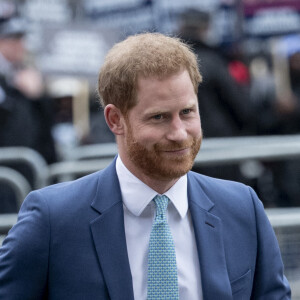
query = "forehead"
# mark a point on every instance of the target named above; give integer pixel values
(176, 89)
(152, 84)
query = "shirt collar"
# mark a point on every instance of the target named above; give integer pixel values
(137, 195)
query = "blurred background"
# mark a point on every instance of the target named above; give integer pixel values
(249, 55)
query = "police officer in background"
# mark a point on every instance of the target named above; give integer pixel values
(25, 113)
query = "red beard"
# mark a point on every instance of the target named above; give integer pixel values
(157, 163)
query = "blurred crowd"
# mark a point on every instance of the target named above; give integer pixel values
(243, 95)
(239, 96)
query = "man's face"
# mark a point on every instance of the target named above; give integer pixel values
(163, 132)
(13, 49)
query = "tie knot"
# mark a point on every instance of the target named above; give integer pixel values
(161, 202)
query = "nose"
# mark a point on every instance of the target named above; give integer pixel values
(176, 130)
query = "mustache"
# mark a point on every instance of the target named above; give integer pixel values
(174, 146)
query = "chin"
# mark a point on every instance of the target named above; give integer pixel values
(166, 171)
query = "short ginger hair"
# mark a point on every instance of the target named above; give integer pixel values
(143, 55)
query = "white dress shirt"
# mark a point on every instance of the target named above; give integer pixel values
(139, 213)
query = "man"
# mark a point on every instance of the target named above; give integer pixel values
(25, 113)
(89, 239)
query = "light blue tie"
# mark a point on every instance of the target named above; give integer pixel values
(162, 269)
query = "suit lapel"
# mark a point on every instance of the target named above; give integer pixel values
(110, 242)
(109, 236)
(208, 233)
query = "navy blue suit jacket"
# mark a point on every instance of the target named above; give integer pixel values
(69, 243)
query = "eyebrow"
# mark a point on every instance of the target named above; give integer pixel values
(161, 112)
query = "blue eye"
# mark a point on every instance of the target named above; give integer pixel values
(186, 111)
(157, 117)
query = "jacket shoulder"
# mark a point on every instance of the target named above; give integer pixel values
(216, 185)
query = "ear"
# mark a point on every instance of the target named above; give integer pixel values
(114, 119)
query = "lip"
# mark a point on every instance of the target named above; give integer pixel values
(183, 151)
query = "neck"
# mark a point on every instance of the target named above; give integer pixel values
(159, 185)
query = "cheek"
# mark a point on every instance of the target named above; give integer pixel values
(149, 136)
(194, 128)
